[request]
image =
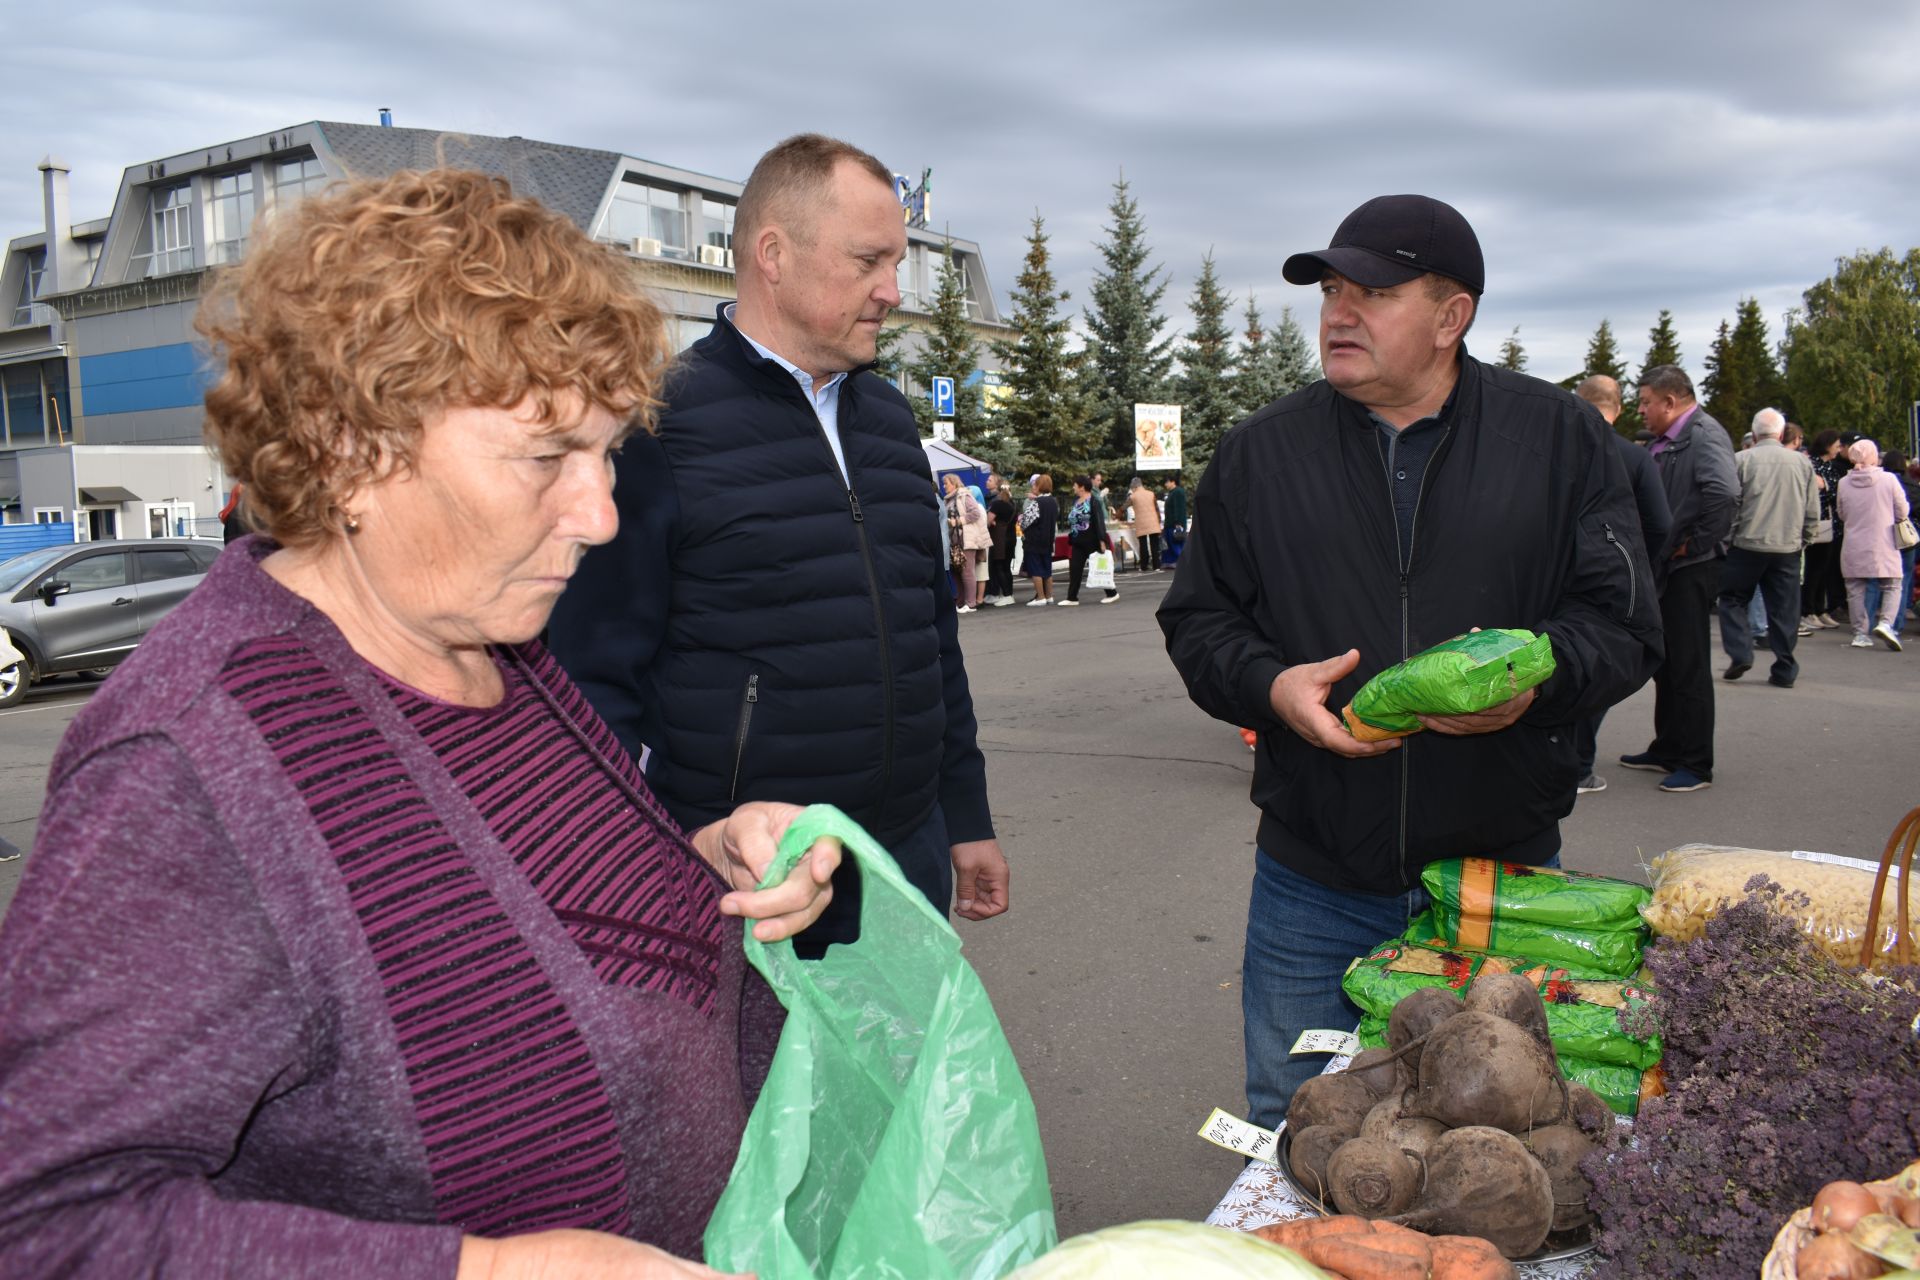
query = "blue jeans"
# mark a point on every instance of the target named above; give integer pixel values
(1301, 936)
(1906, 593)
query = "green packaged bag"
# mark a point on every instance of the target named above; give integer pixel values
(1487, 894)
(895, 1135)
(1587, 956)
(1456, 677)
(1617, 1086)
(1583, 1016)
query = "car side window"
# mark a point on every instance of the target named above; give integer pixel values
(93, 573)
(204, 557)
(157, 566)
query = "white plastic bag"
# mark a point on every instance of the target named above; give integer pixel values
(1100, 570)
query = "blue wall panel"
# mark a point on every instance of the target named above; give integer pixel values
(16, 539)
(169, 377)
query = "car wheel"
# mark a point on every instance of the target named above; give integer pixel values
(15, 680)
(96, 673)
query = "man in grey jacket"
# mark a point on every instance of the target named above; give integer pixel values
(1695, 458)
(1774, 520)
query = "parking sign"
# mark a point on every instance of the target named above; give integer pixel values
(943, 397)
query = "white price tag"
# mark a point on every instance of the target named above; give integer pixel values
(1838, 860)
(1240, 1136)
(1327, 1042)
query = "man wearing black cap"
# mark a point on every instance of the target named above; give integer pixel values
(1411, 495)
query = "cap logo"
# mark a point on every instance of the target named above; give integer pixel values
(1407, 253)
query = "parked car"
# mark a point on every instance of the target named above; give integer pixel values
(84, 606)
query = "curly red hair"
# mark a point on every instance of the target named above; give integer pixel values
(359, 314)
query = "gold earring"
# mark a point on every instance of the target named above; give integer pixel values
(353, 521)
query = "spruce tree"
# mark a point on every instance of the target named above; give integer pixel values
(951, 352)
(1130, 362)
(1047, 414)
(1603, 355)
(1206, 389)
(1512, 355)
(1294, 362)
(1663, 344)
(1742, 378)
(1254, 380)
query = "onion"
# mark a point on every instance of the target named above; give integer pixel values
(1841, 1204)
(1832, 1258)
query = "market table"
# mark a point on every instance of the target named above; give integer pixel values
(1261, 1195)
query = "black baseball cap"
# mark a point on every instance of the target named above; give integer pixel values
(1390, 240)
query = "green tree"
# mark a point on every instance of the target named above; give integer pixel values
(1742, 378)
(1663, 344)
(1853, 355)
(1130, 361)
(1512, 355)
(1254, 383)
(1603, 355)
(1294, 362)
(1206, 383)
(951, 352)
(887, 357)
(1047, 415)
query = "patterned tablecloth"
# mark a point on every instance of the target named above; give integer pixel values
(1262, 1195)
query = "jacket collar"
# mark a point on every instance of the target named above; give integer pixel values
(726, 335)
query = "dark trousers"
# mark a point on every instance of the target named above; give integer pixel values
(1000, 577)
(925, 857)
(1586, 742)
(1777, 578)
(1077, 570)
(1683, 687)
(1149, 551)
(1823, 578)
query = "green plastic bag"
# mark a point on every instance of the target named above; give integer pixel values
(895, 1136)
(1617, 1086)
(1588, 924)
(1456, 677)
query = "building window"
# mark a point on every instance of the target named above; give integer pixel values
(296, 178)
(910, 277)
(716, 223)
(170, 520)
(23, 308)
(22, 405)
(642, 212)
(166, 239)
(49, 515)
(231, 200)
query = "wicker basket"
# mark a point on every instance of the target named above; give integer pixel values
(1795, 1235)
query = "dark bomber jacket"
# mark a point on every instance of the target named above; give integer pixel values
(767, 629)
(1525, 519)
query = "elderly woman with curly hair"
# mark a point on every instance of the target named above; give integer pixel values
(353, 943)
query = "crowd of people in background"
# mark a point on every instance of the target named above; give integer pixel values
(985, 532)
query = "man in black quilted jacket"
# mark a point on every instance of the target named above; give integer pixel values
(772, 620)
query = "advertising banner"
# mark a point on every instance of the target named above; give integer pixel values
(1156, 437)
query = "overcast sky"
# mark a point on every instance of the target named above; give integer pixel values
(1614, 158)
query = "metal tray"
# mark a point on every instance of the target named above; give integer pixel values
(1560, 1246)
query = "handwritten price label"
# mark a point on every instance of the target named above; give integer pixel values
(1327, 1042)
(1240, 1136)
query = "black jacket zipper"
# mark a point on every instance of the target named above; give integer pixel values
(740, 735)
(886, 655)
(1633, 579)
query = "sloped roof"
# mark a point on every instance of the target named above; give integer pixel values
(569, 180)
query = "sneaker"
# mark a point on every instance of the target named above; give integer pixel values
(1824, 620)
(1038, 602)
(8, 852)
(1885, 633)
(1110, 599)
(1588, 785)
(1001, 602)
(1069, 604)
(1737, 669)
(965, 608)
(1684, 780)
(1861, 642)
(1778, 683)
(1805, 630)
(1645, 761)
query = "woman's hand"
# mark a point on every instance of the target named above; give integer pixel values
(573, 1255)
(741, 847)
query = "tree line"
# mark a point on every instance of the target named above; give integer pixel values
(1848, 358)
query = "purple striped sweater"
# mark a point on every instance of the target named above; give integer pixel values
(308, 974)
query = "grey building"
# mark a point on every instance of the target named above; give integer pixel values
(101, 378)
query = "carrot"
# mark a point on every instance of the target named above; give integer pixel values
(1376, 1257)
(1297, 1233)
(1469, 1258)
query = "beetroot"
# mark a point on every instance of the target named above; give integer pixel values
(1338, 1100)
(1370, 1179)
(1510, 996)
(1377, 1069)
(1480, 1069)
(1407, 1133)
(1308, 1152)
(1560, 1148)
(1418, 1013)
(1593, 1116)
(1482, 1182)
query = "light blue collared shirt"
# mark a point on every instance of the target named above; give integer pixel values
(824, 399)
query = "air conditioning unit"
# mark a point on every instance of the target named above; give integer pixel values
(646, 246)
(713, 255)
(729, 259)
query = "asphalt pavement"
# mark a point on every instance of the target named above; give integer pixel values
(1124, 813)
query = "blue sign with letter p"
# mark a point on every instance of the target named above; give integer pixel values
(943, 397)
